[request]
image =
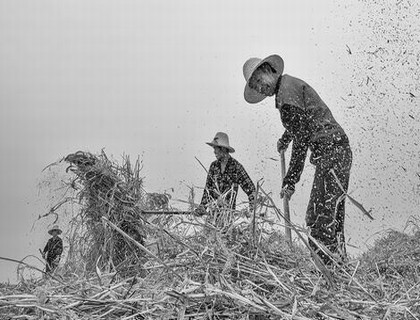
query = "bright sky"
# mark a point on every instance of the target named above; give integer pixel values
(160, 78)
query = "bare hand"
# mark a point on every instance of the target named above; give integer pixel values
(281, 147)
(286, 192)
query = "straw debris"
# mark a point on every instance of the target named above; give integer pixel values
(133, 266)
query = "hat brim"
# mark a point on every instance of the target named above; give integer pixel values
(252, 96)
(230, 149)
(51, 231)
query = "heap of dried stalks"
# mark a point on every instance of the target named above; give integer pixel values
(107, 190)
(209, 268)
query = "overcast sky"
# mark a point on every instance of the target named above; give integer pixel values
(159, 78)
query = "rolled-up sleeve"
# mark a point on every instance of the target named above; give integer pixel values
(285, 140)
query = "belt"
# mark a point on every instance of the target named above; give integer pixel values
(326, 144)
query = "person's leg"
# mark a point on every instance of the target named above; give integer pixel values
(316, 218)
(322, 231)
(334, 201)
(48, 267)
(316, 198)
(341, 241)
(54, 266)
(341, 169)
(326, 209)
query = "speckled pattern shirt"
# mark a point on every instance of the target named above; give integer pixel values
(309, 123)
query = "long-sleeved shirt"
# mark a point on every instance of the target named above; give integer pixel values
(309, 123)
(53, 248)
(226, 184)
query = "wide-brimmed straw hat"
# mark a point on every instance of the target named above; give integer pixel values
(249, 68)
(55, 228)
(221, 139)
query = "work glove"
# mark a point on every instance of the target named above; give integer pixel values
(287, 192)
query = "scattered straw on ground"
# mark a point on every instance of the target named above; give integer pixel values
(184, 267)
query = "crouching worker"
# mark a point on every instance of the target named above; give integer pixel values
(53, 249)
(224, 177)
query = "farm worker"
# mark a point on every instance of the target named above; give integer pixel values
(224, 177)
(310, 124)
(53, 249)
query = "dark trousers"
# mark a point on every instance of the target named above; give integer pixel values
(326, 209)
(52, 264)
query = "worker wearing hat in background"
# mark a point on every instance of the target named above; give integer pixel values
(53, 249)
(310, 124)
(224, 177)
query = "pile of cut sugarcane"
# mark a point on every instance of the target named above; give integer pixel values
(185, 267)
(212, 277)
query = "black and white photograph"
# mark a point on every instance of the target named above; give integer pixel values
(197, 159)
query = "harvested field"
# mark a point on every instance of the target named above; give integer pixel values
(123, 264)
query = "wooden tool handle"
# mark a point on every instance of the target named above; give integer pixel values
(285, 200)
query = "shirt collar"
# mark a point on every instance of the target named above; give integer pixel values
(219, 161)
(278, 85)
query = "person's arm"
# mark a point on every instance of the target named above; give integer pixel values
(209, 190)
(297, 125)
(59, 249)
(46, 248)
(297, 163)
(284, 141)
(246, 183)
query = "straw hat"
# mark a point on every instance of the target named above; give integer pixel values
(250, 66)
(221, 139)
(55, 228)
